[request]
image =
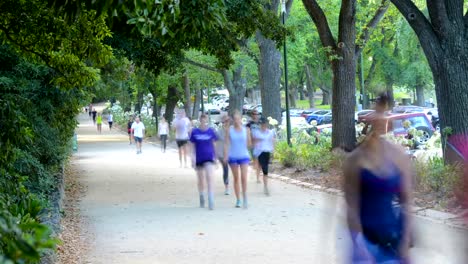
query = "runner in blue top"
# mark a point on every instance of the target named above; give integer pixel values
(203, 140)
(378, 194)
(236, 153)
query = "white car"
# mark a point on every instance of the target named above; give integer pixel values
(296, 122)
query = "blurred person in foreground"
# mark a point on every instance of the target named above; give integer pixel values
(377, 178)
(221, 132)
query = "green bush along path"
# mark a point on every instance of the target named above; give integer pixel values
(144, 209)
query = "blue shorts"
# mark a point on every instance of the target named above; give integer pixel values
(240, 161)
(138, 139)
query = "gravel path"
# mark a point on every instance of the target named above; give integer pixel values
(144, 209)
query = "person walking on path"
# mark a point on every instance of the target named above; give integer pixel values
(264, 146)
(138, 131)
(182, 128)
(90, 110)
(254, 125)
(99, 123)
(129, 129)
(94, 113)
(236, 154)
(378, 194)
(110, 120)
(225, 120)
(163, 131)
(203, 140)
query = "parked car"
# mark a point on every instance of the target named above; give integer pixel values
(318, 116)
(307, 112)
(211, 109)
(419, 121)
(293, 113)
(362, 113)
(297, 122)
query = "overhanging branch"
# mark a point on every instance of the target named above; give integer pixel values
(204, 66)
(248, 51)
(321, 23)
(421, 26)
(371, 25)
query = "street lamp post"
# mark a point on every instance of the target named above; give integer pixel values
(288, 119)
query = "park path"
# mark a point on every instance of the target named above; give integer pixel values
(144, 209)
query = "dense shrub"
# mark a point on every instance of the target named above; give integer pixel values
(37, 122)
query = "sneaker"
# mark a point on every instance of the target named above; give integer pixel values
(202, 201)
(238, 204)
(226, 192)
(266, 191)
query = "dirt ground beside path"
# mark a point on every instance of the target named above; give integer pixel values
(144, 209)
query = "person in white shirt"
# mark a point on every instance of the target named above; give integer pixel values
(264, 146)
(163, 130)
(138, 131)
(110, 120)
(182, 129)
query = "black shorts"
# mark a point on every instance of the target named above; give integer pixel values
(181, 142)
(264, 160)
(138, 139)
(201, 164)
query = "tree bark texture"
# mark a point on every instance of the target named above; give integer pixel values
(325, 96)
(270, 77)
(444, 39)
(236, 87)
(389, 90)
(310, 86)
(420, 95)
(196, 104)
(292, 95)
(139, 102)
(344, 79)
(171, 102)
(188, 96)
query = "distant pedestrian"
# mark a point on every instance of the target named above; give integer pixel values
(236, 154)
(129, 129)
(378, 195)
(254, 125)
(94, 113)
(163, 131)
(264, 147)
(86, 109)
(220, 150)
(182, 128)
(99, 123)
(138, 131)
(203, 140)
(90, 110)
(110, 120)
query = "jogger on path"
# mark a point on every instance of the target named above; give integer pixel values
(163, 131)
(203, 140)
(264, 146)
(182, 128)
(138, 131)
(99, 123)
(220, 150)
(236, 154)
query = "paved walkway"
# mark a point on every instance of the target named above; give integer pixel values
(144, 209)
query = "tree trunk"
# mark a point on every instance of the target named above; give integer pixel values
(310, 87)
(188, 96)
(236, 88)
(269, 77)
(171, 102)
(420, 95)
(196, 104)
(139, 102)
(325, 96)
(451, 81)
(155, 107)
(301, 92)
(292, 95)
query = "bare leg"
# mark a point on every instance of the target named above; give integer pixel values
(180, 155)
(244, 172)
(209, 182)
(185, 154)
(235, 175)
(201, 186)
(256, 166)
